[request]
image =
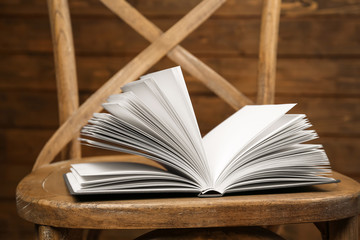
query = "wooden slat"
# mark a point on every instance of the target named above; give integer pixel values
(331, 115)
(65, 68)
(130, 72)
(294, 75)
(298, 37)
(174, 7)
(342, 151)
(268, 51)
(181, 56)
(31, 142)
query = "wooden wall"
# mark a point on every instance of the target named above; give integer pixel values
(318, 67)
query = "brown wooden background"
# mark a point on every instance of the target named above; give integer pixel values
(318, 67)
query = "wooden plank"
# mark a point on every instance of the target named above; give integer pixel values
(330, 115)
(31, 141)
(211, 79)
(301, 37)
(148, 57)
(294, 75)
(343, 152)
(174, 7)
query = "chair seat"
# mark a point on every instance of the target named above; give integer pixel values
(42, 198)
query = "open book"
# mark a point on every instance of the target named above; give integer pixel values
(259, 147)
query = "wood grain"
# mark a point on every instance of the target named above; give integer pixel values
(130, 72)
(342, 151)
(297, 36)
(295, 76)
(51, 233)
(330, 115)
(15, 164)
(181, 56)
(174, 7)
(333, 201)
(65, 68)
(269, 30)
(318, 61)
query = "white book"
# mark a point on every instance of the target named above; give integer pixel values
(259, 147)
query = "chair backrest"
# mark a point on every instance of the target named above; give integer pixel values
(73, 118)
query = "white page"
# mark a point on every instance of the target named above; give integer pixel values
(224, 142)
(142, 188)
(158, 112)
(177, 94)
(115, 168)
(168, 87)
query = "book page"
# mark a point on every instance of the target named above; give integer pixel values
(227, 139)
(165, 93)
(124, 177)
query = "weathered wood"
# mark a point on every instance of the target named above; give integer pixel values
(14, 165)
(130, 72)
(14, 227)
(299, 37)
(329, 69)
(337, 77)
(174, 7)
(330, 115)
(181, 56)
(51, 203)
(268, 51)
(51, 233)
(342, 151)
(65, 68)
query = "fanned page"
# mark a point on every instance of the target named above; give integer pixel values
(228, 138)
(261, 147)
(153, 117)
(258, 147)
(124, 177)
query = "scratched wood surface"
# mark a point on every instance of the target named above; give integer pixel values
(318, 66)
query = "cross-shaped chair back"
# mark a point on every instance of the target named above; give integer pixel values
(72, 117)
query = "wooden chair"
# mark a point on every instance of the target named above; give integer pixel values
(43, 199)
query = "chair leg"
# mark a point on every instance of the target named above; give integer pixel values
(344, 229)
(93, 234)
(52, 233)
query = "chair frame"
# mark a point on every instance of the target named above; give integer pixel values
(341, 224)
(73, 118)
